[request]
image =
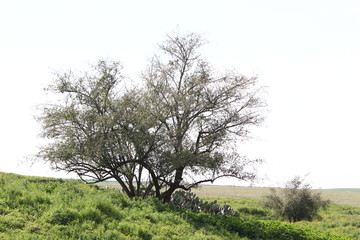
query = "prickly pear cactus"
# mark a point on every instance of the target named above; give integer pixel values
(189, 200)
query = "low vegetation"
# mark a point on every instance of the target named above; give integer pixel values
(296, 201)
(37, 208)
(344, 220)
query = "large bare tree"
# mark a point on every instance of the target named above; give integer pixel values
(173, 132)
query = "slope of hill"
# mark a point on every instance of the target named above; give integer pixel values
(38, 208)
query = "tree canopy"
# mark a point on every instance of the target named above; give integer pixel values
(174, 131)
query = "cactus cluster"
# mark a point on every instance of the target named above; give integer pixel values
(189, 200)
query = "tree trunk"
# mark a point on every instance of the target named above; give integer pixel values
(124, 187)
(166, 196)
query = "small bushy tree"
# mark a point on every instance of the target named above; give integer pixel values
(296, 202)
(176, 130)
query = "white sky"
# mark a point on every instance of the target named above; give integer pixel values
(306, 53)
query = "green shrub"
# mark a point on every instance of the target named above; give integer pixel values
(127, 228)
(144, 234)
(63, 216)
(296, 202)
(92, 214)
(108, 209)
(13, 220)
(34, 202)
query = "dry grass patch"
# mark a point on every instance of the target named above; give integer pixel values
(349, 198)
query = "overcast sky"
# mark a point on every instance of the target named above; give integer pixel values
(307, 54)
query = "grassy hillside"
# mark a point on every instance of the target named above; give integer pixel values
(37, 208)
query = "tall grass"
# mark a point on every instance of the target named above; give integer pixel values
(35, 209)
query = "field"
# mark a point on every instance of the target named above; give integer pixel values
(343, 215)
(43, 208)
(340, 196)
(346, 196)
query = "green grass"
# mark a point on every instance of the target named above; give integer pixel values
(343, 216)
(32, 209)
(341, 219)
